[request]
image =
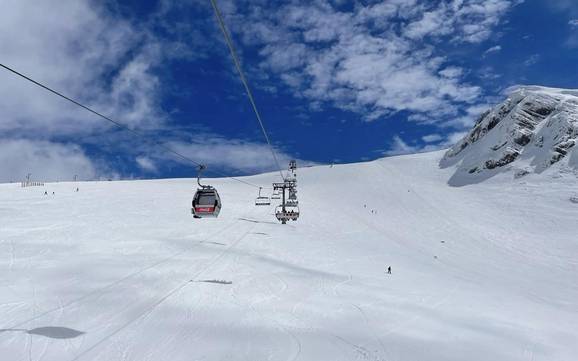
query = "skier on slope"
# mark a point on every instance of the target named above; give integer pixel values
(389, 270)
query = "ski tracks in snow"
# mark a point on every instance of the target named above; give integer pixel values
(252, 306)
(149, 310)
(370, 327)
(100, 291)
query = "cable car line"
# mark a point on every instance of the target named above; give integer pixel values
(120, 125)
(231, 47)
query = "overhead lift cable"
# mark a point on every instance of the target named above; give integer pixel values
(120, 125)
(231, 47)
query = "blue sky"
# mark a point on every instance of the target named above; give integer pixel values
(336, 81)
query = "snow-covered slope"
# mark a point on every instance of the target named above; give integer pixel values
(535, 129)
(116, 271)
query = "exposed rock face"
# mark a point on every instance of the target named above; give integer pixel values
(531, 131)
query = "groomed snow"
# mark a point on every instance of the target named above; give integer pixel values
(113, 272)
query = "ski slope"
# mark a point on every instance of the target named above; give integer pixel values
(115, 271)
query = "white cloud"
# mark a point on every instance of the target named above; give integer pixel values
(91, 55)
(80, 49)
(572, 40)
(232, 154)
(478, 109)
(367, 60)
(453, 138)
(493, 49)
(488, 73)
(432, 138)
(436, 142)
(72, 46)
(46, 161)
(146, 164)
(532, 60)
(431, 23)
(400, 147)
(358, 60)
(451, 72)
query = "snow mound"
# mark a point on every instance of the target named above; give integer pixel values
(533, 130)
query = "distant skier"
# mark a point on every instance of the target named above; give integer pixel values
(77, 189)
(45, 193)
(389, 270)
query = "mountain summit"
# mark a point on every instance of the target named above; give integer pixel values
(535, 129)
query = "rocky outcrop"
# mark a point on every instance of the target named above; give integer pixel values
(534, 129)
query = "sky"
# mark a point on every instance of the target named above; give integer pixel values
(335, 81)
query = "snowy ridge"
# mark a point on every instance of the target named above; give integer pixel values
(533, 130)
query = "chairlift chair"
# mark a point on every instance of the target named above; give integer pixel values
(288, 213)
(276, 194)
(206, 202)
(262, 200)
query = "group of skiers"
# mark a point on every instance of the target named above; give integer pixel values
(373, 211)
(46, 192)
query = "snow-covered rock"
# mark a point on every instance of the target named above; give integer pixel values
(533, 130)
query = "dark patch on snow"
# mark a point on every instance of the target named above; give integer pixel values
(220, 282)
(521, 173)
(216, 243)
(50, 332)
(497, 147)
(256, 221)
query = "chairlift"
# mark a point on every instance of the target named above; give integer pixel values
(206, 202)
(276, 194)
(287, 212)
(262, 200)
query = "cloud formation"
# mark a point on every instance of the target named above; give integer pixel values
(374, 59)
(433, 142)
(233, 154)
(85, 51)
(146, 164)
(46, 161)
(493, 49)
(81, 51)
